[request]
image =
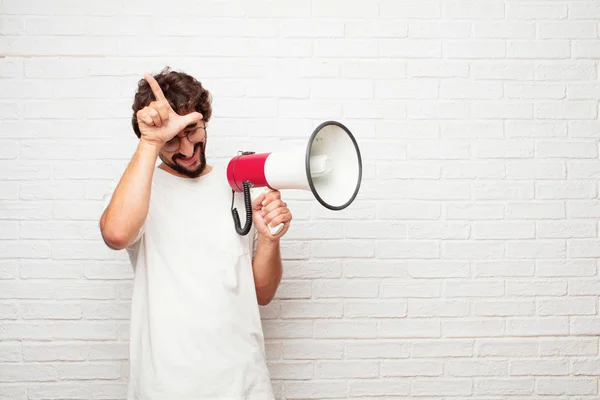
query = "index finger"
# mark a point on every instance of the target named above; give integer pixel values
(272, 195)
(158, 93)
(257, 203)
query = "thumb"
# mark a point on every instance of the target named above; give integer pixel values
(257, 203)
(191, 118)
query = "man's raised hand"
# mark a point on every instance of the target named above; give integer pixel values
(158, 122)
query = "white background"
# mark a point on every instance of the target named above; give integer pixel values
(467, 267)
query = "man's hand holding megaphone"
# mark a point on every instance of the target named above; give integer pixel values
(269, 210)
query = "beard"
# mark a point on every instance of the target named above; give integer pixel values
(191, 173)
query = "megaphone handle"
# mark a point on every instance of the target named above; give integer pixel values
(275, 230)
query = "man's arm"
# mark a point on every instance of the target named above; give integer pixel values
(268, 209)
(267, 269)
(123, 218)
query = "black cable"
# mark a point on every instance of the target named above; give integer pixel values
(248, 205)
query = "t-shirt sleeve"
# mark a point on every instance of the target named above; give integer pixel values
(106, 201)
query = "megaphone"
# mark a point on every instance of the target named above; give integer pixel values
(330, 166)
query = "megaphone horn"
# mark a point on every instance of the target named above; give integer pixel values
(330, 167)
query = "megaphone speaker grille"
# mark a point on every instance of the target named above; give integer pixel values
(333, 165)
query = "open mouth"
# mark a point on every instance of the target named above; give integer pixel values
(189, 160)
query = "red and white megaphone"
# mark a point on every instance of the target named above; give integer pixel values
(330, 166)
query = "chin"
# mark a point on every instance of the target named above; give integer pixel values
(196, 172)
(192, 171)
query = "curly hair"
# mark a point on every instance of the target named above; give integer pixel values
(183, 92)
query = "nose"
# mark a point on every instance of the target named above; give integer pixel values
(185, 147)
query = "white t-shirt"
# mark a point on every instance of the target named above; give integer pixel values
(195, 328)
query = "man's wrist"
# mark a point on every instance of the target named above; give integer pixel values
(151, 146)
(267, 241)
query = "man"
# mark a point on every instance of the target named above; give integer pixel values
(195, 324)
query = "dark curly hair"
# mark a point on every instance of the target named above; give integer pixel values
(182, 91)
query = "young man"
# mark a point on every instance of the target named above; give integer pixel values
(195, 325)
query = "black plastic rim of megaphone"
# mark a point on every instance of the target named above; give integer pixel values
(307, 165)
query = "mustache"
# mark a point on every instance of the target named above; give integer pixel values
(179, 155)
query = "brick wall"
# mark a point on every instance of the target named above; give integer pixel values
(467, 267)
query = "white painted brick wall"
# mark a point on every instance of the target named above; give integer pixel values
(467, 267)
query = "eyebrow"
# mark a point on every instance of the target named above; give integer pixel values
(191, 126)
